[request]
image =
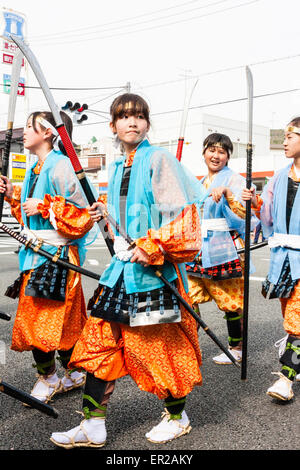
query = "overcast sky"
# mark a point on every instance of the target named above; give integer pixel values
(154, 45)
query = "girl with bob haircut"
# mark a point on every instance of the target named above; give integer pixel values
(136, 326)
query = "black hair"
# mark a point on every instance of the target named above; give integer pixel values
(131, 104)
(295, 122)
(48, 116)
(221, 139)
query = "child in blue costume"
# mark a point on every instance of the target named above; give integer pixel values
(217, 273)
(279, 211)
(136, 326)
(51, 207)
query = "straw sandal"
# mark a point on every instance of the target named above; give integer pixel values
(282, 388)
(67, 440)
(223, 359)
(50, 389)
(169, 429)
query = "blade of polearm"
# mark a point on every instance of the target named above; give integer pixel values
(63, 134)
(183, 122)
(247, 226)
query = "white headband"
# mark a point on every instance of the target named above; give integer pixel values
(48, 125)
(217, 145)
(295, 130)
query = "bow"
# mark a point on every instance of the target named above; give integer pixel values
(61, 129)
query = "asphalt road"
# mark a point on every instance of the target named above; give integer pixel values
(226, 413)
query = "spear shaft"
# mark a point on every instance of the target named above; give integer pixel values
(247, 226)
(49, 256)
(24, 397)
(174, 291)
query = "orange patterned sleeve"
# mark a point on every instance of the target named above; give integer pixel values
(103, 198)
(236, 207)
(71, 221)
(15, 204)
(178, 241)
(257, 209)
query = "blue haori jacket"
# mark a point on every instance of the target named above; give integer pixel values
(217, 246)
(273, 219)
(148, 207)
(57, 177)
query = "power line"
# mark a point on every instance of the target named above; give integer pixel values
(227, 69)
(152, 27)
(168, 82)
(69, 89)
(230, 101)
(236, 100)
(103, 99)
(122, 20)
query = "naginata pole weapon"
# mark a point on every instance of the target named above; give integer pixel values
(174, 291)
(37, 249)
(61, 129)
(247, 225)
(183, 123)
(5, 316)
(14, 84)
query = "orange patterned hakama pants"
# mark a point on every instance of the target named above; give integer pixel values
(162, 359)
(50, 325)
(228, 294)
(291, 311)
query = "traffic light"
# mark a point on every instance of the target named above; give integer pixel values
(75, 106)
(78, 117)
(67, 106)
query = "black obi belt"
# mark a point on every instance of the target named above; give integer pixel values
(49, 281)
(137, 309)
(221, 272)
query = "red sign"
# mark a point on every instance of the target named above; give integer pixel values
(21, 89)
(8, 59)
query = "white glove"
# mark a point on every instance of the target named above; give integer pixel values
(121, 249)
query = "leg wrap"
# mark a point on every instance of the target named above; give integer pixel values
(44, 362)
(175, 406)
(291, 358)
(64, 357)
(96, 395)
(234, 328)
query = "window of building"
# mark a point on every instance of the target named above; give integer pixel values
(170, 145)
